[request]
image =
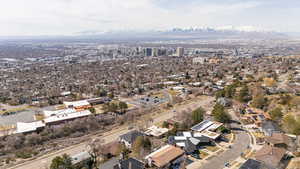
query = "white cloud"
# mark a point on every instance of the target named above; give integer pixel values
(42, 17)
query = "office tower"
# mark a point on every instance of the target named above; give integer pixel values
(148, 51)
(154, 52)
(179, 51)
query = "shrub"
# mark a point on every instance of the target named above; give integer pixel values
(23, 154)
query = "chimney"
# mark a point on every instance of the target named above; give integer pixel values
(129, 165)
(122, 156)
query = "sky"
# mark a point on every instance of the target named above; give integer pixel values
(69, 17)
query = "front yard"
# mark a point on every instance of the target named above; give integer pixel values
(212, 148)
(203, 154)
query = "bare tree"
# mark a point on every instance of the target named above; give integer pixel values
(95, 149)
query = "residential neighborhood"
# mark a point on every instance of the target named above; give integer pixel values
(182, 98)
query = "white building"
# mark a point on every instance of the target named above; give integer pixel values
(199, 60)
(62, 117)
(48, 113)
(180, 51)
(156, 131)
(77, 104)
(28, 127)
(207, 128)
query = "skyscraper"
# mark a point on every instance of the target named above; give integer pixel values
(148, 51)
(180, 51)
(154, 52)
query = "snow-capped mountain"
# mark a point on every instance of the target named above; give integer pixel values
(238, 29)
(223, 29)
(185, 33)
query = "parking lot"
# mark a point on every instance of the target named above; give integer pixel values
(23, 116)
(149, 101)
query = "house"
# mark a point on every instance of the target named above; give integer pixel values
(269, 127)
(253, 164)
(270, 156)
(220, 83)
(209, 134)
(207, 128)
(178, 88)
(171, 123)
(109, 164)
(195, 84)
(66, 93)
(129, 138)
(192, 145)
(224, 101)
(199, 60)
(130, 163)
(206, 125)
(80, 157)
(111, 149)
(189, 142)
(256, 116)
(170, 83)
(278, 140)
(156, 131)
(165, 157)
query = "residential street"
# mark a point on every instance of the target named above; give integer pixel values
(240, 144)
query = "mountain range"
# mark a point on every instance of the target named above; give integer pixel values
(228, 32)
(186, 33)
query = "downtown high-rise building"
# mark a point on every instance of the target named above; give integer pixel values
(148, 51)
(154, 52)
(180, 51)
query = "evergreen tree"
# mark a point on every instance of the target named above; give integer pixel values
(197, 115)
(61, 162)
(244, 95)
(276, 114)
(220, 114)
(123, 107)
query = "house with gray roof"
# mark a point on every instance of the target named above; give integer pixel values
(129, 138)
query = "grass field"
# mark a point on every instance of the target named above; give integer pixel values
(203, 154)
(8, 127)
(99, 109)
(173, 92)
(294, 164)
(159, 95)
(212, 148)
(258, 134)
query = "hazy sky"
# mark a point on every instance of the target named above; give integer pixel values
(65, 17)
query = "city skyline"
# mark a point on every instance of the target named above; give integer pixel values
(67, 17)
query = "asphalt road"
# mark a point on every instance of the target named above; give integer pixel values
(239, 146)
(44, 161)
